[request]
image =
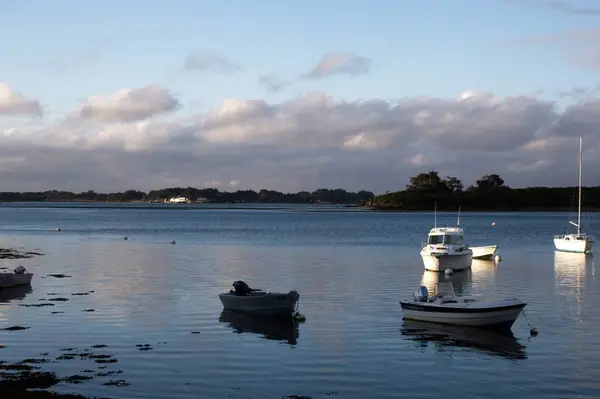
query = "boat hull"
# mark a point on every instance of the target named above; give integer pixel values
(262, 303)
(8, 280)
(487, 252)
(440, 263)
(577, 246)
(500, 317)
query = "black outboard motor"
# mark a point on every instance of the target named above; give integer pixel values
(241, 288)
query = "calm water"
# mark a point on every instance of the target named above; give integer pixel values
(351, 269)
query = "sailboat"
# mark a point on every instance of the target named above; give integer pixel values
(579, 242)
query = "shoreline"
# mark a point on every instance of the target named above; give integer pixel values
(330, 207)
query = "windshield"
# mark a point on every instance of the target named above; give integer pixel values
(435, 240)
(445, 239)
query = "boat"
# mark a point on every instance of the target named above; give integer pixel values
(17, 277)
(578, 242)
(487, 252)
(245, 299)
(445, 249)
(445, 307)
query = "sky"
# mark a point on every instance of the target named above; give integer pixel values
(292, 96)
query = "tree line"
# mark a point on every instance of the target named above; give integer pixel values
(323, 195)
(488, 193)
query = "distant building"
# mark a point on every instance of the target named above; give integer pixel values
(178, 200)
(201, 199)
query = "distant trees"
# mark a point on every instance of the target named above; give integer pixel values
(488, 192)
(432, 181)
(338, 196)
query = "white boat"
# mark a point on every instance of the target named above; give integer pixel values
(18, 277)
(256, 301)
(578, 242)
(487, 252)
(445, 307)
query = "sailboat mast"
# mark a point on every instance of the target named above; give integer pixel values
(579, 209)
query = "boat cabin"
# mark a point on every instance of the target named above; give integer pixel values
(445, 236)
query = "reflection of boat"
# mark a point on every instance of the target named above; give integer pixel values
(19, 276)
(246, 299)
(487, 252)
(569, 269)
(461, 281)
(272, 328)
(494, 343)
(448, 308)
(578, 242)
(12, 293)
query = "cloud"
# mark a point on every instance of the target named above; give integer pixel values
(331, 64)
(208, 61)
(272, 83)
(128, 105)
(567, 8)
(306, 142)
(339, 63)
(579, 47)
(13, 103)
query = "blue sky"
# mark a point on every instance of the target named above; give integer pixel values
(436, 48)
(63, 61)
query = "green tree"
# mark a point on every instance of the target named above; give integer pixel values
(490, 182)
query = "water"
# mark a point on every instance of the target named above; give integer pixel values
(351, 269)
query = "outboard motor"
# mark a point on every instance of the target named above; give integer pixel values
(421, 294)
(241, 288)
(20, 269)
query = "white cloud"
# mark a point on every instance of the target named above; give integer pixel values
(14, 103)
(209, 61)
(339, 63)
(306, 142)
(128, 105)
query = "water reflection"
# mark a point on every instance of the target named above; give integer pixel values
(445, 338)
(271, 328)
(461, 281)
(12, 293)
(569, 269)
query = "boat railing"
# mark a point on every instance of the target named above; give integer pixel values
(583, 236)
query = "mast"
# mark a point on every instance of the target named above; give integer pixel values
(458, 219)
(579, 208)
(435, 214)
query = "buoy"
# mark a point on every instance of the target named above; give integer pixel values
(493, 223)
(533, 331)
(173, 242)
(497, 258)
(299, 317)
(125, 237)
(448, 272)
(58, 229)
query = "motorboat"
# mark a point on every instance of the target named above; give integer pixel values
(486, 252)
(19, 276)
(445, 249)
(245, 299)
(575, 242)
(446, 307)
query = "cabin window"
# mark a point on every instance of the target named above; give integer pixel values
(433, 240)
(453, 240)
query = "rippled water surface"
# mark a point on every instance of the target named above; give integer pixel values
(350, 267)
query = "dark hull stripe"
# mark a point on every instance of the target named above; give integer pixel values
(446, 309)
